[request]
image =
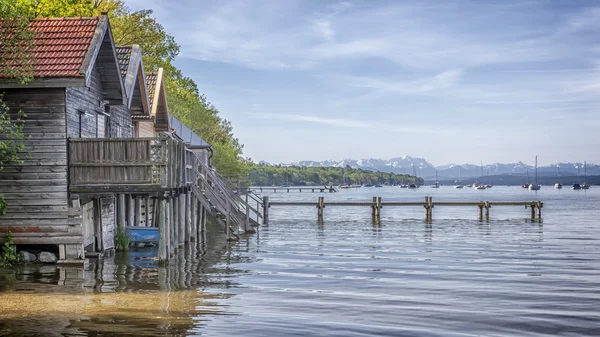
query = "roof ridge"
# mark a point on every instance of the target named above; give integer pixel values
(68, 18)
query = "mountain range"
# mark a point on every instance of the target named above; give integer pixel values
(425, 169)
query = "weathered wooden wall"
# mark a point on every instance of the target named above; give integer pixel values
(86, 113)
(36, 192)
(146, 129)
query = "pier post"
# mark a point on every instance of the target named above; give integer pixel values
(162, 231)
(137, 219)
(378, 207)
(169, 225)
(373, 212)
(182, 225)
(487, 211)
(320, 207)
(480, 212)
(539, 207)
(265, 210)
(532, 206)
(430, 209)
(188, 217)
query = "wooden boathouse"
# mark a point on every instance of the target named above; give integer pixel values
(103, 152)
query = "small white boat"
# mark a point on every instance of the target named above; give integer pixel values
(558, 186)
(585, 185)
(458, 186)
(480, 187)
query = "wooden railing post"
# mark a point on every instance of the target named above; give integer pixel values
(228, 219)
(247, 206)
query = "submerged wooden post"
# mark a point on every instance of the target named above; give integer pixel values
(532, 206)
(163, 240)
(171, 223)
(373, 212)
(378, 205)
(182, 231)
(265, 210)
(487, 211)
(480, 212)
(429, 209)
(426, 206)
(188, 216)
(539, 208)
(320, 206)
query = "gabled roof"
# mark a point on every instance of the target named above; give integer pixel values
(65, 51)
(192, 140)
(158, 100)
(134, 80)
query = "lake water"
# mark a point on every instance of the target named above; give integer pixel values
(346, 276)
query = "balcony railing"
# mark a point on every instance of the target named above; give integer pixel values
(125, 165)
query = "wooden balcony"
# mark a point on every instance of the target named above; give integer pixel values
(125, 165)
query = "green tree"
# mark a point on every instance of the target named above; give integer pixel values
(159, 50)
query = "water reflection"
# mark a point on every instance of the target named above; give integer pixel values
(125, 294)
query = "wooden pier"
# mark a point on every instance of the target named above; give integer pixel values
(311, 189)
(377, 204)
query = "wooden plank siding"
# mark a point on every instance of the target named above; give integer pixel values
(86, 113)
(146, 129)
(36, 191)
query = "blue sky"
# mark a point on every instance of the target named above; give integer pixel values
(450, 81)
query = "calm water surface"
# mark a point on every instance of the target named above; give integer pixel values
(345, 277)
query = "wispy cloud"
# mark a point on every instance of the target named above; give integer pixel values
(314, 119)
(439, 81)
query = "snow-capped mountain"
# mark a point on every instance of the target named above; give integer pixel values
(450, 171)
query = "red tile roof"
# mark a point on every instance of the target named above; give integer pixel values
(60, 45)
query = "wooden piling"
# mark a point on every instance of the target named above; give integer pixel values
(121, 212)
(320, 207)
(162, 231)
(378, 207)
(146, 212)
(373, 208)
(480, 212)
(539, 208)
(265, 210)
(172, 226)
(130, 211)
(188, 217)
(182, 226)
(193, 213)
(532, 211)
(137, 211)
(487, 211)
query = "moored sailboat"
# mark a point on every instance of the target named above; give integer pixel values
(558, 185)
(535, 186)
(585, 185)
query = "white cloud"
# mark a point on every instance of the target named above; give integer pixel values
(314, 119)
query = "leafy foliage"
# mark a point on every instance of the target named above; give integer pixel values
(159, 50)
(8, 255)
(267, 175)
(11, 141)
(122, 240)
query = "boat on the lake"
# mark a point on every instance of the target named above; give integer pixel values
(558, 185)
(585, 185)
(535, 186)
(436, 184)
